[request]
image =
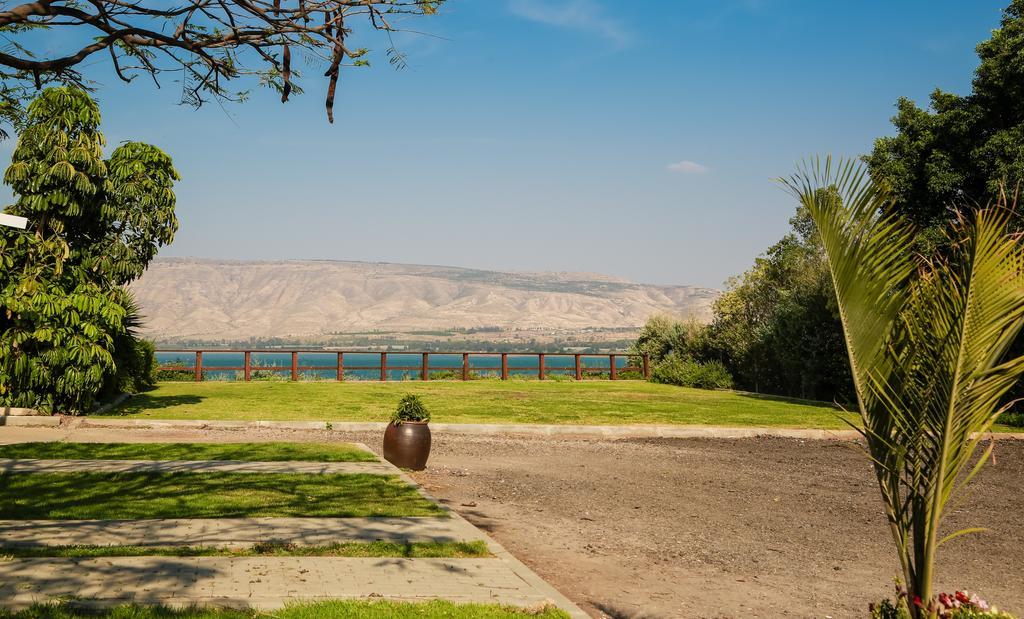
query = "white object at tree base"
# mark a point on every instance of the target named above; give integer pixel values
(13, 221)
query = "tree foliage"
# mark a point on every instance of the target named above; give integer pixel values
(205, 43)
(927, 340)
(776, 328)
(964, 149)
(95, 225)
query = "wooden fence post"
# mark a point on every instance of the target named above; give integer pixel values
(540, 366)
(383, 366)
(614, 372)
(504, 366)
(465, 366)
(295, 365)
(579, 368)
(341, 366)
(647, 366)
(425, 370)
(199, 365)
(248, 366)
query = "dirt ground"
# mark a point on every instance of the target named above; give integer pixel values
(762, 527)
(717, 528)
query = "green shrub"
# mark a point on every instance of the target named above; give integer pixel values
(663, 337)
(175, 376)
(136, 366)
(689, 373)
(94, 226)
(410, 408)
(1012, 418)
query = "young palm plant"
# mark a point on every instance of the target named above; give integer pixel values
(927, 339)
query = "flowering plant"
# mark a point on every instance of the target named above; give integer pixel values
(958, 605)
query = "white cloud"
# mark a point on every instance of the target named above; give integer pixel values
(583, 15)
(687, 167)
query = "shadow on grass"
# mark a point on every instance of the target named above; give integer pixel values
(143, 402)
(782, 399)
(85, 496)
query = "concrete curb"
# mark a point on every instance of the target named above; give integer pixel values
(50, 422)
(485, 429)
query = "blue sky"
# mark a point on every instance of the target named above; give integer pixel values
(636, 138)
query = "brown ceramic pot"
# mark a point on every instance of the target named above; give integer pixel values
(407, 445)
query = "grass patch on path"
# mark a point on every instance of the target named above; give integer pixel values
(349, 609)
(411, 550)
(126, 496)
(482, 401)
(249, 452)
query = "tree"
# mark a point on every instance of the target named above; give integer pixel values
(94, 227)
(776, 327)
(208, 43)
(928, 341)
(965, 149)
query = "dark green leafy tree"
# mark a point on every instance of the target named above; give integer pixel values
(777, 329)
(95, 225)
(964, 149)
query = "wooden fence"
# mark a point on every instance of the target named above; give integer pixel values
(638, 365)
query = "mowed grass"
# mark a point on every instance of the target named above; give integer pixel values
(335, 609)
(411, 550)
(484, 401)
(94, 495)
(252, 452)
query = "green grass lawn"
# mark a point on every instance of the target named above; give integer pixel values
(349, 609)
(409, 550)
(485, 401)
(70, 496)
(253, 452)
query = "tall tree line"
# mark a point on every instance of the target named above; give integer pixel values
(776, 328)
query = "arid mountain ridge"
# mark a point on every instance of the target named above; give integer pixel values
(225, 300)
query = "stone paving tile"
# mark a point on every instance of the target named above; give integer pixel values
(234, 531)
(264, 582)
(8, 465)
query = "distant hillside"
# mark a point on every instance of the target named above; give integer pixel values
(195, 299)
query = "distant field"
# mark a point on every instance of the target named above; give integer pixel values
(561, 402)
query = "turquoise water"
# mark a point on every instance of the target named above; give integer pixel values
(366, 366)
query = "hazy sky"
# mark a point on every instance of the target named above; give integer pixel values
(636, 138)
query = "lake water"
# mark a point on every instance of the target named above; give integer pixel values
(366, 366)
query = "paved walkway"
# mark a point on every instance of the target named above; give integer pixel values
(271, 582)
(259, 582)
(190, 466)
(234, 531)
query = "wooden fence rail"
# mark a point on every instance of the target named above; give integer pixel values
(636, 364)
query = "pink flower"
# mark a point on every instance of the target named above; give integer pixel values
(980, 603)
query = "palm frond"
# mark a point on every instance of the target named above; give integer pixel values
(927, 341)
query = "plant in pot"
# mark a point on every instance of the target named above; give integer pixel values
(407, 437)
